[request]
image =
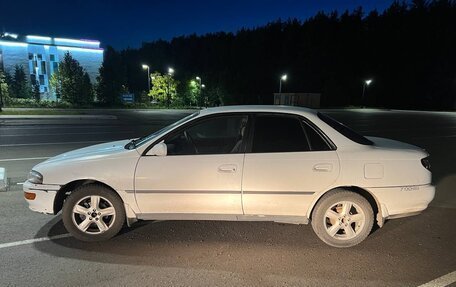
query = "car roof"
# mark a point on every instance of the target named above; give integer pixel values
(259, 108)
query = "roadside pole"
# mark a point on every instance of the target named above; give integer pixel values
(1, 98)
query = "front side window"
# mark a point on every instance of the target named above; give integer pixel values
(220, 135)
(278, 134)
(142, 140)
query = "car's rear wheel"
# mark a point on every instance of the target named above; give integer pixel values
(93, 212)
(342, 218)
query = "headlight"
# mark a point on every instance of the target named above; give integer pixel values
(425, 162)
(35, 177)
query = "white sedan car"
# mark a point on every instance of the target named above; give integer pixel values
(247, 163)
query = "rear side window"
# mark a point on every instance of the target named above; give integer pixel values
(316, 142)
(278, 134)
(344, 130)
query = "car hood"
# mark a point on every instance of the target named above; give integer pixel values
(90, 152)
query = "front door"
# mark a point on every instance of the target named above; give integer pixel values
(202, 172)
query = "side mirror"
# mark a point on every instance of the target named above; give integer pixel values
(159, 149)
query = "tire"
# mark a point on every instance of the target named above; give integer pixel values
(87, 224)
(337, 227)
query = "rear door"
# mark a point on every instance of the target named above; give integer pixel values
(288, 161)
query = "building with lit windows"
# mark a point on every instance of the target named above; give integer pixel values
(39, 56)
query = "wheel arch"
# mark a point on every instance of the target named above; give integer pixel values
(68, 188)
(376, 206)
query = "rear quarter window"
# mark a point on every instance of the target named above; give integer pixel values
(344, 130)
(316, 142)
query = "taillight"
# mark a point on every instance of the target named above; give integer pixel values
(425, 162)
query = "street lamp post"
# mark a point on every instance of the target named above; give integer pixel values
(282, 78)
(146, 67)
(365, 85)
(200, 94)
(201, 91)
(170, 73)
(1, 97)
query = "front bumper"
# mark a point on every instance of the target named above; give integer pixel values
(403, 201)
(44, 196)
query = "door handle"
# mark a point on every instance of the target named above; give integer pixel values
(227, 168)
(323, 167)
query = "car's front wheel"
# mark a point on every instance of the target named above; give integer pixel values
(93, 212)
(342, 218)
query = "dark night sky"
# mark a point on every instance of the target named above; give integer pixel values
(129, 23)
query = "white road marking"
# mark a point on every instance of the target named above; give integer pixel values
(60, 143)
(29, 241)
(22, 159)
(443, 281)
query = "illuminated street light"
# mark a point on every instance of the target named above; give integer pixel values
(282, 78)
(200, 96)
(365, 85)
(146, 67)
(170, 73)
(203, 99)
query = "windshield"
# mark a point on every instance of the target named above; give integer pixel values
(140, 141)
(344, 130)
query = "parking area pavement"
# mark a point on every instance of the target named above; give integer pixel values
(36, 250)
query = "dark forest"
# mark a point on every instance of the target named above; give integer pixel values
(409, 50)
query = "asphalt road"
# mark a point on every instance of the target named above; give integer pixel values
(405, 252)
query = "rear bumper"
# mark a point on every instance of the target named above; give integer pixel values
(44, 196)
(403, 201)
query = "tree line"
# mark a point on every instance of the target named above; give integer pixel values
(408, 51)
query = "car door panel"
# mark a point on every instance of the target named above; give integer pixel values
(285, 183)
(189, 184)
(202, 172)
(287, 163)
